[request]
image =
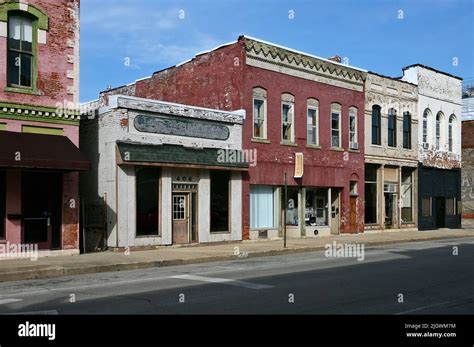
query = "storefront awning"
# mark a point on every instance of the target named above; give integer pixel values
(36, 151)
(180, 156)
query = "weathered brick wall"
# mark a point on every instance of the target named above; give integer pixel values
(467, 185)
(58, 59)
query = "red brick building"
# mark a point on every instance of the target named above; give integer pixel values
(39, 135)
(296, 104)
(467, 171)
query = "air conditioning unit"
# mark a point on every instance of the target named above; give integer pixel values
(354, 145)
(426, 146)
(389, 188)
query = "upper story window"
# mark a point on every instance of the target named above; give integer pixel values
(287, 118)
(21, 57)
(426, 115)
(335, 125)
(407, 130)
(353, 127)
(313, 122)
(376, 125)
(452, 120)
(392, 128)
(259, 113)
(439, 121)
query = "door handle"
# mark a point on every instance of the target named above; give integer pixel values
(49, 221)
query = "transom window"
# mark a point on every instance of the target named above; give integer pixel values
(312, 126)
(335, 125)
(20, 51)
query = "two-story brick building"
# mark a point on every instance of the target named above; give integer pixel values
(305, 119)
(39, 156)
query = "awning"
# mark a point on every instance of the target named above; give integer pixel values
(180, 156)
(35, 151)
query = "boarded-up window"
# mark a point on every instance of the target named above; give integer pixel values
(220, 186)
(147, 179)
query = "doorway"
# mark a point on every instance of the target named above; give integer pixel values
(389, 207)
(41, 209)
(181, 218)
(440, 210)
(335, 212)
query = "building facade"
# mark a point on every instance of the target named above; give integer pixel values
(391, 154)
(39, 156)
(304, 120)
(467, 195)
(439, 146)
(165, 173)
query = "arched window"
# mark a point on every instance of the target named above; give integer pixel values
(392, 128)
(20, 57)
(439, 121)
(313, 121)
(426, 115)
(353, 143)
(287, 117)
(376, 125)
(452, 120)
(259, 113)
(336, 125)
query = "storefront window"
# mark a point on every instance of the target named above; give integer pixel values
(261, 207)
(292, 206)
(2, 204)
(450, 206)
(220, 181)
(316, 212)
(426, 207)
(407, 196)
(147, 201)
(371, 194)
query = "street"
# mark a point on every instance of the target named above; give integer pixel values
(409, 278)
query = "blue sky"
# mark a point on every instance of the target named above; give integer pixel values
(124, 40)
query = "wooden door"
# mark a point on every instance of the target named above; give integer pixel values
(180, 215)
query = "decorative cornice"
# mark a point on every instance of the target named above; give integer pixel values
(288, 58)
(45, 114)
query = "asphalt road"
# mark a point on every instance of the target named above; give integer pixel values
(426, 276)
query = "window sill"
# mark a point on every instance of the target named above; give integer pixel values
(288, 143)
(256, 140)
(21, 90)
(376, 146)
(313, 146)
(219, 232)
(354, 150)
(337, 149)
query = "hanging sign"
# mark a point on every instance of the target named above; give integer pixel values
(299, 165)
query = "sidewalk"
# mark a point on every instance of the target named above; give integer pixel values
(24, 269)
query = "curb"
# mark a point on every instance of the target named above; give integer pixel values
(83, 270)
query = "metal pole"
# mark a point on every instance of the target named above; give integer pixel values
(82, 209)
(286, 207)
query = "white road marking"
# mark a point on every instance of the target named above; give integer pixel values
(230, 282)
(9, 301)
(434, 305)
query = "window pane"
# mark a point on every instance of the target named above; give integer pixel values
(370, 203)
(407, 196)
(147, 201)
(2, 204)
(26, 70)
(426, 207)
(220, 201)
(450, 207)
(292, 206)
(14, 32)
(14, 64)
(316, 212)
(261, 207)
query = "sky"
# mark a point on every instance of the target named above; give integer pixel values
(125, 40)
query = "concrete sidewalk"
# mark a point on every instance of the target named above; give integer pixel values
(24, 269)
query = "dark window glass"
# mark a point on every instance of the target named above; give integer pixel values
(2, 204)
(371, 194)
(20, 51)
(407, 130)
(392, 128)
(220, 185)
(426, 207)
(147, 180)
(376, 122)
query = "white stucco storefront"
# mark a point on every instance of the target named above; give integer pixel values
(158, 169)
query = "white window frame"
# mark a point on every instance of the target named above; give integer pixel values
(312, 104)
(336, 109)
(353, 114)
(261, 95)
(451, 122)
(288, 100)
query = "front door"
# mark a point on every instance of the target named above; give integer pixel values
(389, 205)
(181, 214)
(440, 212)
(335, 213)
(353, 214)
(41, 206)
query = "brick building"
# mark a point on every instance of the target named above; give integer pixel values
(39, 156)
(467, 193)
(304, 118)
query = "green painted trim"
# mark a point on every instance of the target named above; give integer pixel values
(31, 129)
(3, 126)
(39, 119)
(21, 90)
(27, 107)
(42, 18)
